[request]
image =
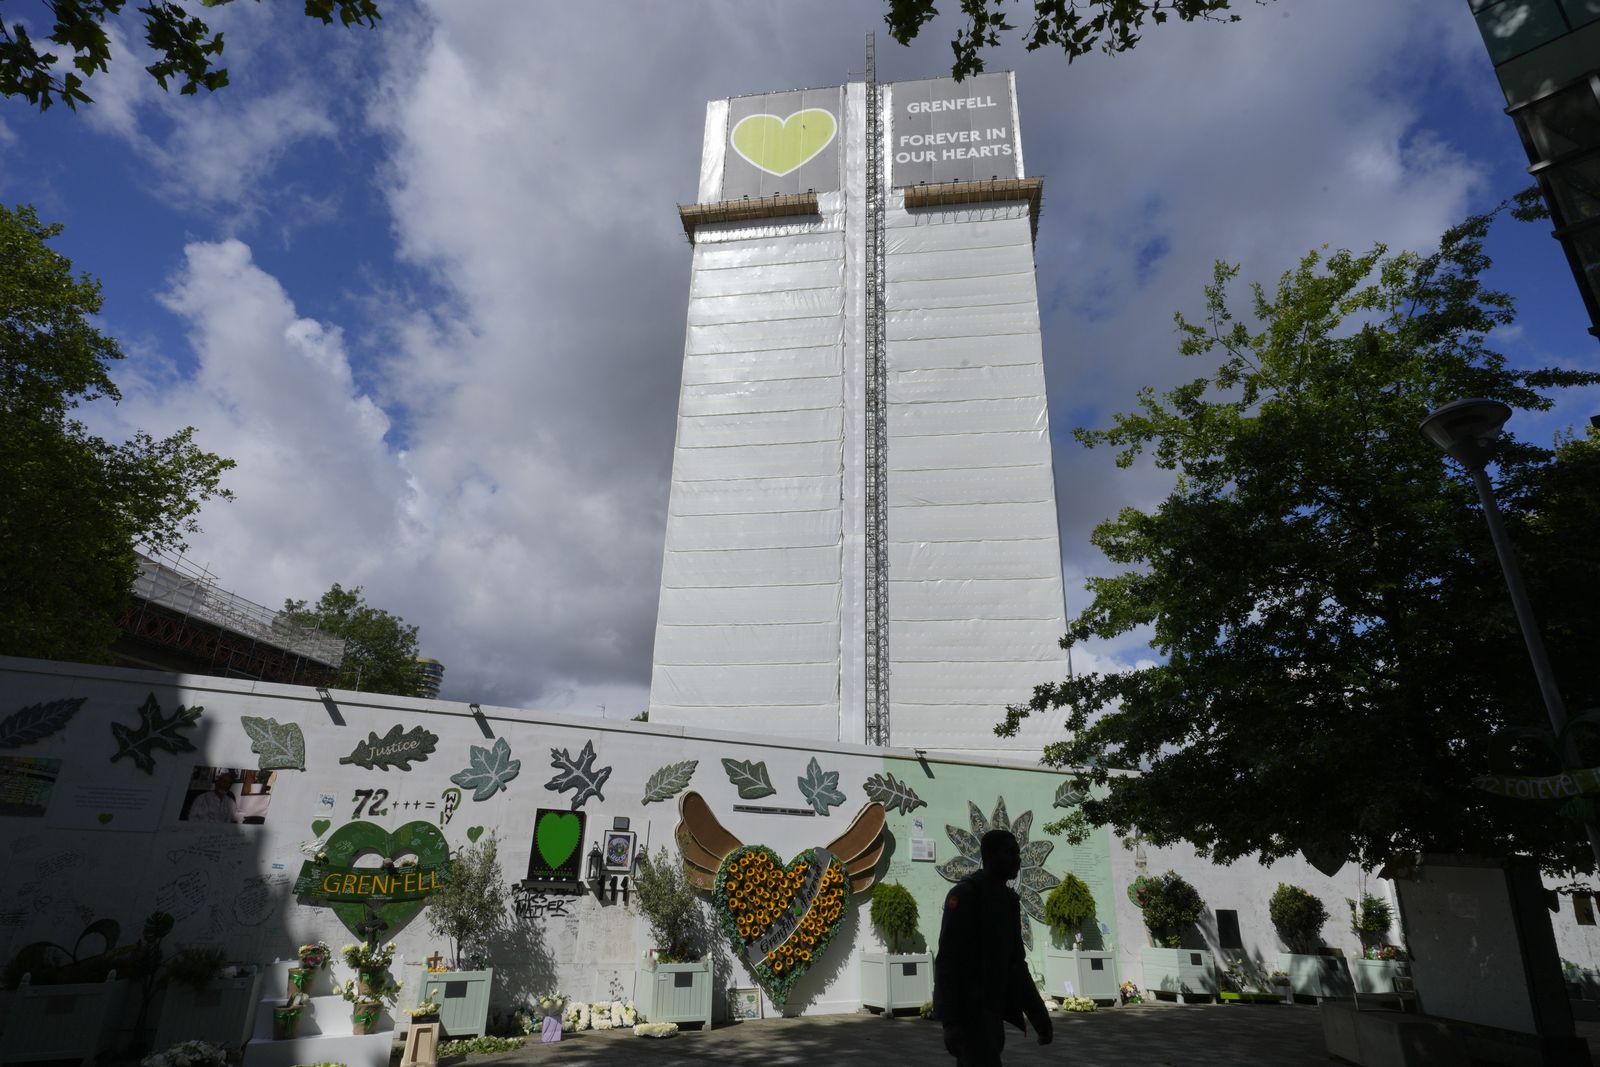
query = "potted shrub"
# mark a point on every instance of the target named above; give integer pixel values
(371, 964)
(896, 979)
(1299, 916)
(206, 999)
(470, 911)
(286, 1018)
(1171, 908)
(1086, 966)
(675, 985)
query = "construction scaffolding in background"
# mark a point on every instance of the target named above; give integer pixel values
(877, 423)
(178, 619)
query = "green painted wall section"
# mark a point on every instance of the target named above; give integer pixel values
(948, 788)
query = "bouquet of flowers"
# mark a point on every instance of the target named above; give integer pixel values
(188, 1054)
(655, 1029)
(1130, 994)
(1078, 1004)
(315, 955)
(1384, 952)
(362, 958)
(426, 1008)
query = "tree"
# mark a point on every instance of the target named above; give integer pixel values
(74, 506)
(671, 908)
(471, 907)
(184, 45)
(380, 651)
(1077, 26)
(1340, 655)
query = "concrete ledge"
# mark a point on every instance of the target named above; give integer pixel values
(1392, 1038)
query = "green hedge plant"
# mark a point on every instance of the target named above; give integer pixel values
(1171, 905)
(1370, 919)
(1298, 917)
(894, 913)
(1068, 907)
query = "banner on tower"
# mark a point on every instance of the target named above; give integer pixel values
(783, 143)
(944, 130)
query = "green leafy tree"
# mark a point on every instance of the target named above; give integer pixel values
(186, 50)
(471, 907)
(1298, 916)
(1068, 907)
(1077, 27)
(1171, 905)
(74, 506)
(380, 651)
(1339, 658)
(894, 913)
(671, 907)
(1370, 919)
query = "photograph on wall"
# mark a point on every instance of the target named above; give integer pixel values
(618, 851)
(25, 784)
(238, 795)
(556, 854)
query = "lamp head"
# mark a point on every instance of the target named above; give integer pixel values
(1467, 429)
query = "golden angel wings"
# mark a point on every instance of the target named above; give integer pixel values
(705, 843)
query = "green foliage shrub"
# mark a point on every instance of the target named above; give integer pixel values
(670, 906)
(894, 913)
(195, 966)
(1068, 907)
(1298, 916)
(1370, 919)
(1170, 905)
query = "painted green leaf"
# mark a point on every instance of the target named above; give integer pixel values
(820, 788)
(1020, 827)
(398, 748)
(37, 721)
(892, 794)
(958, 867)
(1069, 795)
(750, 778)
(491, 769)
(154, 731)
(1034, 853)
(280, 745)
(669, 781)
(578, 774)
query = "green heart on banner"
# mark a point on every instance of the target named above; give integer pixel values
(556, 836)
(320, 826)
(780, 146)
(354, 840)
(473, 833)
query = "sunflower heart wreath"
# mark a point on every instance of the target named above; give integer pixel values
(780, 917)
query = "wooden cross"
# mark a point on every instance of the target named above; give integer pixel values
(434, 960)
(372, 927)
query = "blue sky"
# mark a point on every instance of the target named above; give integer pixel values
(426, 282)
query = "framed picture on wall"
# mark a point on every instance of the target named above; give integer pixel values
(744, 1002)
(618, 851)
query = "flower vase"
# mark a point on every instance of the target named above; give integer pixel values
(371, 983)
(299, 979)
(366, 1017)
(285, 1023)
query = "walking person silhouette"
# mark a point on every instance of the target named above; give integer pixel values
(981, 979)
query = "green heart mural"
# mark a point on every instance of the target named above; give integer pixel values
(781, 917)
(781, 146)
(556, 837)
(397, 893)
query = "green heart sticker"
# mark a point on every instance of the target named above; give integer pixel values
(320, 826)
(356, 839)
(781, 146)
(556, 837)
(105, 818)
(473, 833)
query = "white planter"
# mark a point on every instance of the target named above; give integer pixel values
(463, 999)
(1189, 974)
(674, 993)
(221, 1013)
(1093, 974)
(1377, 976)
(892, 982)
(63, 1022)
(1319, 977)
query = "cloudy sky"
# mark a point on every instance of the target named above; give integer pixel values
(426, 283)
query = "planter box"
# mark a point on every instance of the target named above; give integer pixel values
(891, 982)
(64, 1022)
(1093, 974)
(1318, 977)
(674, 993)
(463, 999)
(1377, 976)
(1189, 974)
(222, 1013)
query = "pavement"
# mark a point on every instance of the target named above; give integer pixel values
(1146, 1035)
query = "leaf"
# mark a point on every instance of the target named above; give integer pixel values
(154, 731)
(669, 781)
(966, 843)
(1000, 820)
(892, 794)
(958, 867)
(578, 774)
(820, 788)
(37, 721)
(1034, 853)
(1020, 827)
(1068, 795)
(1037, 879)
(490, 770)
(750, 778)
(280, 745)
(397, 749)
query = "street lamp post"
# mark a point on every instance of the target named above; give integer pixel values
(1467, 430)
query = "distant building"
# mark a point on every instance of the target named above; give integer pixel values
(177, 619)
(430, 675)
(1546, 55)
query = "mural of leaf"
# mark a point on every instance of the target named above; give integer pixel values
(37, 721)
(491, 769)
(820, 788)
(976, 821)
(1069, 796)
(1032, 904)
(154, 731)
(750, 778)
(1037, 879)
(1000, 820)
(967, 843)
(578, 774)
(1034, 853)
(281, 745)
(398, 749)
(892, 794)
(958, 867)
(1020, 828)
(669, 781)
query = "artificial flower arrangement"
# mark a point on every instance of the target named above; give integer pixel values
(599, 1016)
(655, 1029)
(315, 955)
(1077, 1004)
(1383, 952)
(1129, 994)
(753, 888)
(188, 1054)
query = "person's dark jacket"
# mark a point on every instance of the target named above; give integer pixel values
(981, 974)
